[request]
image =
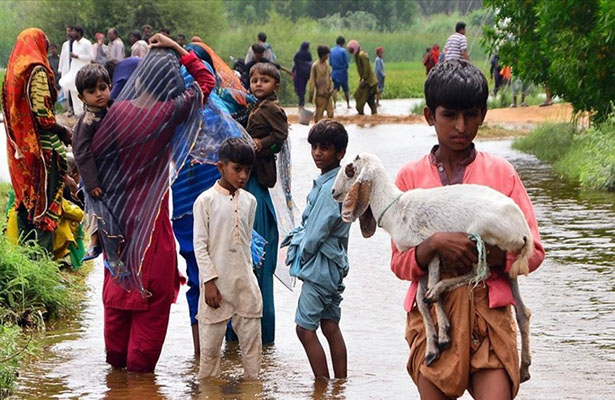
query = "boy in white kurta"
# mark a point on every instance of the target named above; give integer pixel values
(223, 219)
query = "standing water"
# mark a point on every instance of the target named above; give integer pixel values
(571, 296)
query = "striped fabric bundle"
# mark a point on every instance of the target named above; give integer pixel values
(134, 146)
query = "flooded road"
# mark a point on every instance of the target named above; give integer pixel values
(572, 297)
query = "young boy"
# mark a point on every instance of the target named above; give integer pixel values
(483, 354)
(380, 74)
(223, 219)
(321, 85)
(94, 87)
(318, 254)
(268, 126)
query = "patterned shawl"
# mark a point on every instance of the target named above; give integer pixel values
(25, 157)
(134, 147)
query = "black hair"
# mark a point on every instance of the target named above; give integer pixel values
(79, 29)
(236, 150)
(89, 75)
(428, 49)
(258, 48)
(53, 45)
(329, 132)
(456, 84)
(268, 69)
(110, 67)
(115, 32)
(322, 51)
(165, 31)
(146, 26)
(460, 26)
(340, 40)
(136, 34)
(262, 36)
(180, 35)
(71, 27)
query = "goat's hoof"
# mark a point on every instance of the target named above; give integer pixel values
(431, 357)
(444, 343)
(525, 375)
(429, 300)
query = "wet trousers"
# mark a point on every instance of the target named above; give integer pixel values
(134, 339)
(248, 331)
(323, 104)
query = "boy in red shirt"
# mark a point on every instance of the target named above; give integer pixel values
(483, 354)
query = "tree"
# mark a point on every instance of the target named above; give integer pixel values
(568, 46)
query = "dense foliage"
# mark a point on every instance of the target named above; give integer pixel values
(568, 46)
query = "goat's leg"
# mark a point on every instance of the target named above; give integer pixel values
(444, 325)
(523, 314)
(446, 285)
(432, 353)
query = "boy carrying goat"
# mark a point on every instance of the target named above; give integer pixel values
(481, 353)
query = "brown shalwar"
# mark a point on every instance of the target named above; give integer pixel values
(481, 338)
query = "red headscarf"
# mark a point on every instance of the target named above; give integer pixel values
(435, 53)
(25, 157)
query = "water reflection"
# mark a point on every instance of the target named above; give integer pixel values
(571, 296)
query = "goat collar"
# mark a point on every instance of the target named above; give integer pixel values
(387, 208)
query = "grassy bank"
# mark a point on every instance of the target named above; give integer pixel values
(34, 293)
(583, 156)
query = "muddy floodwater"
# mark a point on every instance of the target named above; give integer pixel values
(572, 297)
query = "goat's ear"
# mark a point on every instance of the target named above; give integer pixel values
(367, 223)
(357, 200)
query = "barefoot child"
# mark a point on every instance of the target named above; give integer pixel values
(94, 85)
(222, 238)
(268, 125)
(483, 354)
(321, 85)
(318, 254)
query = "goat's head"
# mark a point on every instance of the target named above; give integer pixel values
(353, 187)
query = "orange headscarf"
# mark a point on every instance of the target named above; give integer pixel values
(229, 79)
(26, 165)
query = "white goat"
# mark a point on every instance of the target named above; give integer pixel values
(411, 217)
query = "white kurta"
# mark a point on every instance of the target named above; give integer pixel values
(222, 239)
(83, 49)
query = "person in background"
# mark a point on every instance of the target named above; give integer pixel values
(64, 67)
(181, 40)
(368, 84)
(456, 46)
(340, 61)
(321, 85)
(518, 85)
(165, 32)
(138, 46)
(428, 60)
(81, 56)
(259, 52)
(116, 50)
(100, 49)
(435, 53)
(301, 71)
(54, 63)
(268, 54)
(147, 32)
(380, 73)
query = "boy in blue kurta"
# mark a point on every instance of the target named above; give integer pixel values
(318, 254)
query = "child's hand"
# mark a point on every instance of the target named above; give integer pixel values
(68, 137)
(213, 298)
(164, 42)
(96, 192)
(258, 145)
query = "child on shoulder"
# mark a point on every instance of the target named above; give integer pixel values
(483, 354)
(321, 85)
(268, 126)
(318, 254)
(223, 220)
(94, 86)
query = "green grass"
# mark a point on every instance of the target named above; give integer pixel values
(585, 157)
(34, 293)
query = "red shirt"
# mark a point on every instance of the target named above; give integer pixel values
(482, 169)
